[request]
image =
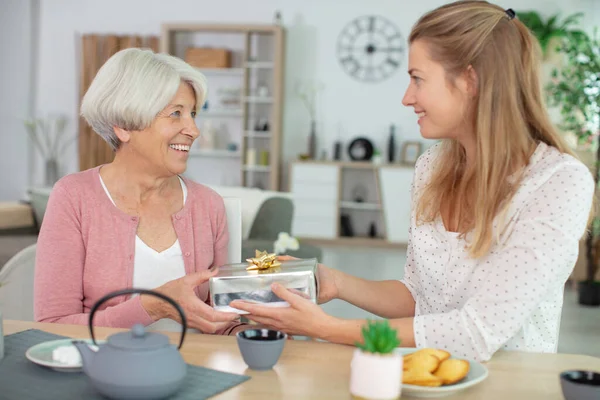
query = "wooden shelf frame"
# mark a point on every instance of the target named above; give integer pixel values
(275, 68)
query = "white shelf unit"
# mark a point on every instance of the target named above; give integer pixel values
(353, 205)
(257, 168)
(223, 113)
(315, 192)
(216, 153)
(257, 59)
(222, 72)
(322, 193)
(260, 65)
(258, 100)
(257, 134)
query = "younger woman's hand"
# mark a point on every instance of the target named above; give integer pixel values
(327, 277)
(302, 317)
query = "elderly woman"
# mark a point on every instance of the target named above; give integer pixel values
(135, 222)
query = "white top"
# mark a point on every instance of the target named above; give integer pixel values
(152, 269)
(512, 298)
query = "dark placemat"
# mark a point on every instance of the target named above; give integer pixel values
(22, 379)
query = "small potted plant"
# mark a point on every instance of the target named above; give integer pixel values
(376, 369)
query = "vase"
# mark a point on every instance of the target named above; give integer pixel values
(312, 141)
(51, 172)
(392, 145)
(337, 151)
(376, 376)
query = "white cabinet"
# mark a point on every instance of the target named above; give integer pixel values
(315, 192)
(324, 192)
(395, 199)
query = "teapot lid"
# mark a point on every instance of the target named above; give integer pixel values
(138, 339)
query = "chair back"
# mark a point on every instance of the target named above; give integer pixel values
(233, 209)
(16, 285)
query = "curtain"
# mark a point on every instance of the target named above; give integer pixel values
(95, 51)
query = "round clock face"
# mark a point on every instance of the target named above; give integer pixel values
(370, 48)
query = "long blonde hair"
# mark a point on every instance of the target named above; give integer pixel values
(509, 111)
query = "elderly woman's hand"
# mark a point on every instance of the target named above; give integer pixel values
(199, 315)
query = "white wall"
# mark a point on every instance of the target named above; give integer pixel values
(16, 96)
(312, 31)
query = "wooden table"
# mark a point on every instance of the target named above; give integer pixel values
(316, 370)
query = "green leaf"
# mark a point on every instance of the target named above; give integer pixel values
(550, 24)
(531, 19)
(572, 19)
(544, 31)
(389, 348)
(379, 337)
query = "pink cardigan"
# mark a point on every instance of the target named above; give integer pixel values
(86, 249)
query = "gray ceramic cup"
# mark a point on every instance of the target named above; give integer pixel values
(580, 385)
(261, 348)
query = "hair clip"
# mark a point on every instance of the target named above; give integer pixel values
(510, 13)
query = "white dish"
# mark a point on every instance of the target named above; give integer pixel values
(41, 354)
(477, 373)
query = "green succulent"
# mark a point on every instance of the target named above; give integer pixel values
(379, 337)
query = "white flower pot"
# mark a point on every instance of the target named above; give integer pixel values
(375, 376)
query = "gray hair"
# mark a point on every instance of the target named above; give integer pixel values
(132, 87)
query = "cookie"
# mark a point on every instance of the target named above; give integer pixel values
(441, 354)
(421, 378)
(452, 370)
(422, 362)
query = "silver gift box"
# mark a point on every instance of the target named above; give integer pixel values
(235, 282)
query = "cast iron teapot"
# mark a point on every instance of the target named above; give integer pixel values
(134, 364)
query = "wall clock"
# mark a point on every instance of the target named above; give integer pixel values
(370, 48)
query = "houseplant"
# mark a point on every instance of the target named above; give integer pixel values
(575, 89)
(376, 369)
(49, 138)
(307, 92)
(551, 31)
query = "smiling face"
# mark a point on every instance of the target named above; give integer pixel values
(442, 105)
(166, 143)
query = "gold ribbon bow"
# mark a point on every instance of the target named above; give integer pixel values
(262, 261)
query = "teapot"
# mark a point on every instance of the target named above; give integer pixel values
(135, 364)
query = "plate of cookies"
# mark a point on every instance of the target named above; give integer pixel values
(436, 373)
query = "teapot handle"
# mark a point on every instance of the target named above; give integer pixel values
(138, 291)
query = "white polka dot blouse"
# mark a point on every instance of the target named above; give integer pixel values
(511, 298)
